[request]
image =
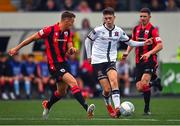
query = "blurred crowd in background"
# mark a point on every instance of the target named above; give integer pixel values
(87, 5)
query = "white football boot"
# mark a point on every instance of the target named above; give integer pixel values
(90, 111)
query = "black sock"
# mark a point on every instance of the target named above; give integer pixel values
(147, 96)
(107, 99)
(11, 87)
(54, 98)
(2, 88)
(77, 94)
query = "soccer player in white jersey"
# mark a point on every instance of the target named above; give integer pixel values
(103, 56)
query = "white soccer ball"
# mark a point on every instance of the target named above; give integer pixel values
(127, 108)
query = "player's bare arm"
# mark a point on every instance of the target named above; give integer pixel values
(136, 43)
(27, 41)
(155, 50)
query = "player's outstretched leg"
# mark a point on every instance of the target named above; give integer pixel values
(116, 100)
(47, 104)
(90, 111)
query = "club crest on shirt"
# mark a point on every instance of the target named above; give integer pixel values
(66, 33)
(146, 31)
(116, 33)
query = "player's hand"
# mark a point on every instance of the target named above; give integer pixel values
(13, 51)
(124, 56)
(148, 41)
(145, 56)
(71, 51)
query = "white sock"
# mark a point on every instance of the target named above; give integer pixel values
(126, 91)
(116, 98)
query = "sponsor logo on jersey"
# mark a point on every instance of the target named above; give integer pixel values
(116, 33)
(146, 32)
(62, 70)
(41, 32)
(60, 40)
(66, 33)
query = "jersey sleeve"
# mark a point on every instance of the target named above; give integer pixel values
(70, 37)
(43, 33)
(92, 35)
(155, 35)
(123, 37)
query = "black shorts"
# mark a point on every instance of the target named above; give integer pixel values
(101, 69)
(60, 70)
(149, 67)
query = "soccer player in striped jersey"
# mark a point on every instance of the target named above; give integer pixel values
(146, 57)
(58, 41)
(103, 57)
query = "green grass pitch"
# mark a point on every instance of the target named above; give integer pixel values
(165, 111)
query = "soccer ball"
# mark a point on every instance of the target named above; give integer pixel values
(127, 108)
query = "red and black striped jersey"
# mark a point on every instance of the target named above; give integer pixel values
(140, 34)
(56, 43)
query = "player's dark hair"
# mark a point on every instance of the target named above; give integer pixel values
(145, 10)
(31, 55)
(67, 14)
(108, 10)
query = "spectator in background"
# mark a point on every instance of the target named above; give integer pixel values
(157, 5)
(83, 7)
(29, 5)
(98, 7)
(171, 5)
(85, 29)
(44, 80)
(51, 6)
(6, 81)
(111, 3)
(68, 5)
(86, 73)
(86, 24)
(123, 75)
(16, 66)
(48, 5)
(29, 71)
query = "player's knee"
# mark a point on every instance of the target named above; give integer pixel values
(142, 87)
(106, 92)
(139, 86)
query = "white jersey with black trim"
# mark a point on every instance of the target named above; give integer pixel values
(105, 41)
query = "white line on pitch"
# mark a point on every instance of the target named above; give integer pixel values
(174, 120)
(104, 119)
